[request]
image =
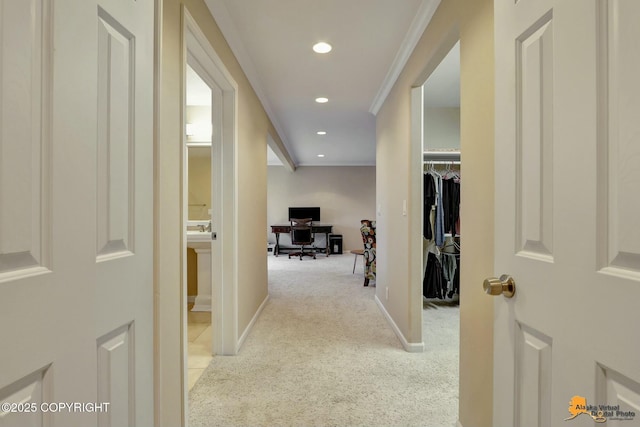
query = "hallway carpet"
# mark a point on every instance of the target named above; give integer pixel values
(322, 354)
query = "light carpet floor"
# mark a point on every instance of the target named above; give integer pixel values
(322, 354)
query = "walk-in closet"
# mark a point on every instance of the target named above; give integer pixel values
(441, 225)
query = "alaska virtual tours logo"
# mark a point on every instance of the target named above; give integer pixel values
(599, 413)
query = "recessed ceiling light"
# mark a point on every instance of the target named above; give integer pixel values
(322, 47)
(322, 100)
(321, 132)
(320, 155)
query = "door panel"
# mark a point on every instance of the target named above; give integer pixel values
(567, 227)
(619, 150)
(618, 389)
(116, 382)
(31, 389)
(24, 106)
(124, 286)
(534, 141)
(76, 187)
(116, 124)
(533, 377)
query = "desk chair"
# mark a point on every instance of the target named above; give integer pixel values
(302, 235)
(368, 231)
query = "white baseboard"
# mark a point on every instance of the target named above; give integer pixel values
(410, 347)
(245, 334)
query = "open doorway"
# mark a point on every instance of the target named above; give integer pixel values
(208, 203)
(436, 175)
(197, 191)
(441, 183)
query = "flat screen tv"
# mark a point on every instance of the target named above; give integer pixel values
(313, 213)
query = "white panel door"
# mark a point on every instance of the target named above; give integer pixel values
(567, 212)
(76, 235)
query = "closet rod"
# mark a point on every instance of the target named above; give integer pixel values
(442, 162)
(441, 156)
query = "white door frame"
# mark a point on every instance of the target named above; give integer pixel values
(224, 305)
(416, 270)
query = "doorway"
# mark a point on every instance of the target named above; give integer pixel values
(209, 139)
(436, 169)
(197, 191)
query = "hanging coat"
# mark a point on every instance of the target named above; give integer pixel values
(433, 283)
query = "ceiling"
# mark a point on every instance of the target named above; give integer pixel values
(371, 39)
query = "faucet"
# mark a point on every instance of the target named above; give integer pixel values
(204, 228)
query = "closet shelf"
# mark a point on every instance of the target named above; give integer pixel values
(441, 156)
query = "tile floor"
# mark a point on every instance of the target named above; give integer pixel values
(199, 344)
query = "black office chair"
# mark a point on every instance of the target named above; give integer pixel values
(302, 235)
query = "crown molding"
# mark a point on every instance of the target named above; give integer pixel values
(221, 15)
(416, 29)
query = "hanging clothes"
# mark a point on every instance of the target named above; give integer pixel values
(451, 272)
(429, 199)
(432, 284)
(451, 201)
(441, 218)
(455, 289)
(449, 267)
(432, 197)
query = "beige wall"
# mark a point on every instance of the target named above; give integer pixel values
(472, 22)
(441, 128)
(253, 126)
(341, 205)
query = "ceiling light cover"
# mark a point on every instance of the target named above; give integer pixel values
(321, 132)
(320, 155)
(322, 100)
(322, 47)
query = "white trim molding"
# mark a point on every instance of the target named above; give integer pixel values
(249, 327)
(409, 347)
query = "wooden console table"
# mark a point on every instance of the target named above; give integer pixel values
(286, 228)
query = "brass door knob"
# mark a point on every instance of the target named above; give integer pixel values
(505, 285)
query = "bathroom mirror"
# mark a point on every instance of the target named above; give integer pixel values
(199, 175)
(198, 131)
